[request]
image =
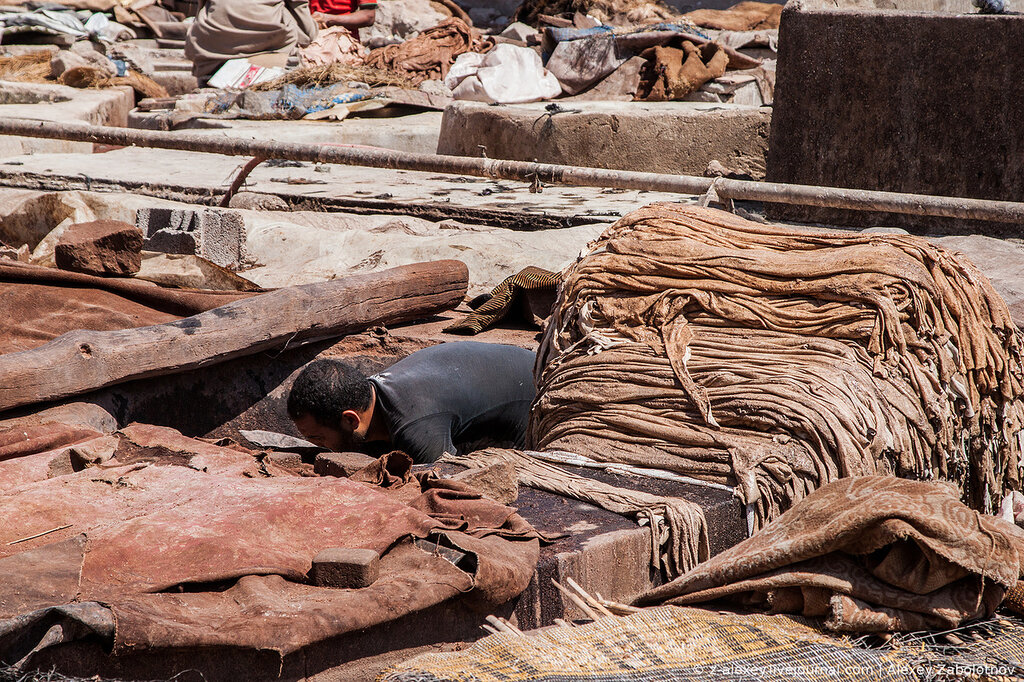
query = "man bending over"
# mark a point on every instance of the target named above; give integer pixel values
(437, 400)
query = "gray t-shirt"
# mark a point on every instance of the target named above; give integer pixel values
(454, 394)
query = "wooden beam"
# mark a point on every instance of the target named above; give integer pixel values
(82, 361)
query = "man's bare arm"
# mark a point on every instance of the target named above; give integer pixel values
(352, 21)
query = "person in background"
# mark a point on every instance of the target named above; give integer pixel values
(233, 29)
(350, 14)
(451, 398)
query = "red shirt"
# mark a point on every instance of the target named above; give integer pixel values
(339, 6)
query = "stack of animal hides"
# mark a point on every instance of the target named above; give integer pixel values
(777, 360)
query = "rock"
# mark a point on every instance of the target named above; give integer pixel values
(10, 253)
(77, 57)
(192, 272)
(500, 482)
(84, 47)
(274, 440)
(519, 31)
(345, 568)
(64, 60)
(101, 247)
(398, 20)
(93, 452)
(175, 82)
(340, 464)
(78, 457)
(715, 169)
(135, 57)
(43, 254)
(287, 460)
(255, 201)
(435, 87)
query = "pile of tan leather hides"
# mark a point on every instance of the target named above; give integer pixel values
(778, 360)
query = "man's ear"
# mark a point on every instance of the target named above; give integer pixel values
(350, 420)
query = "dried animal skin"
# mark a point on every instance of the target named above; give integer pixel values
(429, 55)
(778, 360)
(614, 12)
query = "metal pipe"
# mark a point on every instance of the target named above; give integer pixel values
(808, 195)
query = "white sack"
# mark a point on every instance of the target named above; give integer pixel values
(507, 74)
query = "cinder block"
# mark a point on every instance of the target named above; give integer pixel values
(153, 220)
(345, 568)
(222, 237)
(340, 464)
(218, 236)
(173, 241)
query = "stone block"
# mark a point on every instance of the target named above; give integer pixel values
(65, 60)
(340, 464)
(521, 32)
(218, 236)
(10, 253)
(136, 57)
(100, 247)
(659, 137)
(88, 47)
(500, 482)
(345, 568)
(81, 54)
(257, 201)
(890, 100)
(176, 82)
(287, 460)
(32, 93)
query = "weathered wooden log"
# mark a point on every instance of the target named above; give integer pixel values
(82, 361)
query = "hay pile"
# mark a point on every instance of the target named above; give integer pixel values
(777, 360)
(319, 76)
(89, 77)
(33, 67)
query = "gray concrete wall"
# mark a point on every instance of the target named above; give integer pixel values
(907, 102)
(942, 6)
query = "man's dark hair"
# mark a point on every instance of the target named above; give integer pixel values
(324, 389)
